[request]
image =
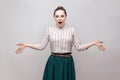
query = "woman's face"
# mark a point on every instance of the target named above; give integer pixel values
(60, 18)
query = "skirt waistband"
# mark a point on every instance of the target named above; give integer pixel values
(62, 54)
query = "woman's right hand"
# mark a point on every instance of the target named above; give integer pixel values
(20, 48)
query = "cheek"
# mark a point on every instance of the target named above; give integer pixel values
(64, 19)
(55, 19)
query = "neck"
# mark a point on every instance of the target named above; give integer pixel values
(61, 26)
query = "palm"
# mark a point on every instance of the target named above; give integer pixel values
(20, 48)
(99, 44)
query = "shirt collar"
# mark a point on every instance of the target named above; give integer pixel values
(62, 27)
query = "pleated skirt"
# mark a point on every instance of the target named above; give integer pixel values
(59, 68)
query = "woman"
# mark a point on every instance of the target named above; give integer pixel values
(60, 65)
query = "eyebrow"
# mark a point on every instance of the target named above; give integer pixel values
(60, 15)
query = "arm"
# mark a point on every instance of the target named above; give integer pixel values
(81, 47)
(97, 43)
(22, 46)
(40, 46)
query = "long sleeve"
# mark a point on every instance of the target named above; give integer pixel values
(44, 42)
(61, 40)
(77, 44)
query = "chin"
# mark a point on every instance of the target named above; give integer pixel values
(60, 25)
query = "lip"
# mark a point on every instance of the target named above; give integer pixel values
(60, 22)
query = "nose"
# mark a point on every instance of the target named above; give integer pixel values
(59, 18)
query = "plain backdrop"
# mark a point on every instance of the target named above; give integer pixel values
(27, 21)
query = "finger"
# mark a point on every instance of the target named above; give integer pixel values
(21, 49)
(18, 51)
(98, 43)
(101, 41)
(102, 48)
(19, 44)
(99, 46)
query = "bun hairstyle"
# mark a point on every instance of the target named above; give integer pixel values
(60, 8)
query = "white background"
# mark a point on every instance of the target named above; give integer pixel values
(27, 21)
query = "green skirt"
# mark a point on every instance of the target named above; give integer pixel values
(59, 68)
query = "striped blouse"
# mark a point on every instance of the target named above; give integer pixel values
(61, 40)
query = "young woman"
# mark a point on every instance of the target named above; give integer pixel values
(60, 65)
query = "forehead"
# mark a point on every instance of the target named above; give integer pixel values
(59, 12)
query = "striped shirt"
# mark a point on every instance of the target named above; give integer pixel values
(61, 40)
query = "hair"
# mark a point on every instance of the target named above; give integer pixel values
(60, 8)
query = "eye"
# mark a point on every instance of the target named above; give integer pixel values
(56, 16)
(62, 15)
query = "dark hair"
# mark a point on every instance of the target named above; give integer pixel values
(60, 8)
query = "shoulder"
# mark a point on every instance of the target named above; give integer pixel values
(51, 29)
(71, 29)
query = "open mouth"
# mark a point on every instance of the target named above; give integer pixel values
(60, 22)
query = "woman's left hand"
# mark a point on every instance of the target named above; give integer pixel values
(99, 44)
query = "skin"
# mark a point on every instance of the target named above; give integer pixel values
(60, 19)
